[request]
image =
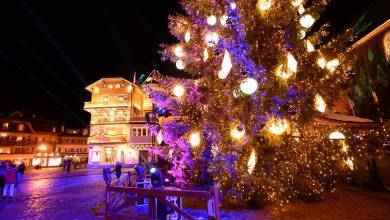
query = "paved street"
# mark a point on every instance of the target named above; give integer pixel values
(52, 194)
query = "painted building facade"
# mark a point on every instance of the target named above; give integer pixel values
(118, 129)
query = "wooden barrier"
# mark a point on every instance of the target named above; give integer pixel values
(119, 196)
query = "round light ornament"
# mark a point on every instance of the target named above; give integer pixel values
(237, 132)
(307, 21)
(264, 5)
(180, 65)
(211, 39)
(277, 126)
(319, 103)
(179, 52)
(194, 139)
(336, 135)
(187, 36)
(211, 20)
(178, 91)
(223, 20)
(248, 86)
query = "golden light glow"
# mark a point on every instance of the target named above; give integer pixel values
(319, 103)
(307, 21)
(302, 34)
(233, 5)
(292, 62)
(283, 72)
(251, 162)
(344, 147)
(321, 62)
(187, 36)
(180, 64)
(179, 52)
(194, 139)
(205, 54)
(264, 5)
(331, 65)
(226, 66)
(4, 134)
(130, 88)
(211, 39)
(42, 147)
(349, 163)
(178, 91)
(336, 135)
(211, 20)
(277, 126)
(309, 46)
(96, 90)
(223, 20)
(237, 133)
(248, 86)
(296, 2)
(301, 9)
(159, 137)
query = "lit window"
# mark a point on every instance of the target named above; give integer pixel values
(21, 127)
(5, 125)
(105, 99)
(121, 98)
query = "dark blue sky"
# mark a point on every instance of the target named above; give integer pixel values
(50, 50)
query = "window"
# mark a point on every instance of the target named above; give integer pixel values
(134, 132)
(21, 127)
(59, 149)
(144, 132)
(139, 132)
(5, 125)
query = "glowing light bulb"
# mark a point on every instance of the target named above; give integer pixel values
(349, 163)
(309, 46)
(233, 5)
(277, 126)
(211, 20)
(301, 9)
(237, 132)
(264, 5)
(248, 86)
(302, 34)
(205, 54)
(223, 20)
(282, 72)
(307, 21)
(226, 66)
(153, 170)
(187, 36)
(180, 64)
(292, 62)
(96, 89)
(296, 2)
(211, 39)
(336, 135)
(179, 52)
(251, 162)
(321, 62)
(178, 91)
(319, 103)
(194, 139)
(159, 137)
(331, 65)
(42, 147)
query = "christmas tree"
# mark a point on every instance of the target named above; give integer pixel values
(243, 119)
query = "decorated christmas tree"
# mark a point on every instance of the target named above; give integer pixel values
(257, 74)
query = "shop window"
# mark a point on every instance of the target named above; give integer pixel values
(144, 131)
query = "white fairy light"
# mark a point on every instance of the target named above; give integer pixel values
(236, 133)
(307, 21)
(226, 66)
(309, 46)
(178, 91)
(277, 126)
(180, 64)
(248, 86)
(251, 162)
(194, 139)
(319, 103)
(223, 20)
(331, 65)
(187, 36)
(211, 20)
(264, 5)
(179, 52)
(292, 62)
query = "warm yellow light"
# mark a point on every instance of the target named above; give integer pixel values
(331, 65)
(251, 162)
(309, 46)
(211, 20)
(130, 88)
(248, 86)
(233, 5)
(302, 34)
(336, 135)
(283, 72)
(96, 89)
(237, 133)
(194, 139)
(179, 52)
(319, 103)
(345, 147)
(226, 66)
(296, 2)
(264, 4)
(180, 64)
(277, 126)
(159, 137)
(4, 134)
(223, 20)
(187, 36)
(42, 147)
(178, 91)
(349, 163)
(307, 21)
(292, 62)
(205, 54)
(321, 62)
(211, 39)
(301, 9)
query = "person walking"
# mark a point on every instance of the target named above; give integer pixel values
(10, 181)
(118, 170)
(19, 176)
(2, 177)
(107, 174)
(68, 166)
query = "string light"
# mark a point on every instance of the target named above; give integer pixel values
(319, 103)
(237, 132)
(205, 54)
(179, 52)
(336, 135)
(194, 139)
(277, 126)
(321, 62)
(292, 62)
(251, 162)
(187, 36)
(331, 65)
(226, 66)
(211, 20)
(223, 20)
(248, 86)
(296, 2)
(264, 5)
(301, 9)
(178, 91)
(309, 46)
(180, 64)
(307, 21)
(211, 39)
(159, 137)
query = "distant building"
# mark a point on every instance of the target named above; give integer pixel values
(118, 130)
(35, 141)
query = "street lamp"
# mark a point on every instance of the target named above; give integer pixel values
(42, 147)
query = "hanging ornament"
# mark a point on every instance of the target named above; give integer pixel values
(292, 63)
(237, 132)
(211, 39)
(223, 20)
(252, 162)
(307, 21)
(336, 135)
(309, 46)
(349, 163)
(159, 137)
(283, 72)
(331, 65)
(296, 2)
(248, 86)
(180, 64)
(319, 103)
(194, 139)
(226, 66)
(233, 5)
(205, 54)
(301, 9)
(277, 126)
(264, 5)
(179, 52)
(178, 91)
(211, 20)
(321, 62)
(187, 36)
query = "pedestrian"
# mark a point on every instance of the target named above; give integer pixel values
(107, 174)
(2, 176)
(19, 177)
(118, 170)
(10, 181)
(68, 166)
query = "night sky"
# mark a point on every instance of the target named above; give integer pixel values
(50, 50)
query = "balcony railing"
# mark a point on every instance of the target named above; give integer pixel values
(17, 143)
(105, 104)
